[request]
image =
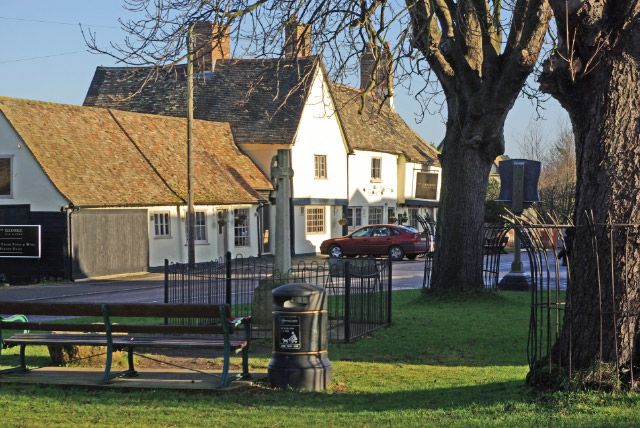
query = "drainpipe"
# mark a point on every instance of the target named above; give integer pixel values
(68, 210)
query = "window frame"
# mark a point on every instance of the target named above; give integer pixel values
(308, 220)
(202, 227)
(10, 159)
(158, 226)
(378, 209)
(376, 177)
(354, 213)
(241, 240)
(320, 171)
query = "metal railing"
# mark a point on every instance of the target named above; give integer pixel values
(359, 290)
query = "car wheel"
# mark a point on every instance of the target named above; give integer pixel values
(396, 253)
(412, 256)
(335, 251)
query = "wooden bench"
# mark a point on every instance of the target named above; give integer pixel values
(213, 332)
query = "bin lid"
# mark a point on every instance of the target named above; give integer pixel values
(298, 289)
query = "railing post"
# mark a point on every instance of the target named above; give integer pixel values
(390, 289)
(166, 286)
(227, 262)
(347, 302)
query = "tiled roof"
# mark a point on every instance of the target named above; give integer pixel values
(378, 129)
(249, 94)
(100, 157)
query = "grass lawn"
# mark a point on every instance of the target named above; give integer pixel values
(446, 362)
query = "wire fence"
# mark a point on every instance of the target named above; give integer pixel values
(359, 290)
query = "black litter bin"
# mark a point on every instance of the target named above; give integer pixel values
(300, 336)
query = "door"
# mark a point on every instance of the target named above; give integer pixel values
(380, 240)
(358, 243)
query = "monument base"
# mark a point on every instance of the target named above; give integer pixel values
(515, 281)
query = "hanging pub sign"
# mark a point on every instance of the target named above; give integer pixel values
(20, 241)
(427, 186)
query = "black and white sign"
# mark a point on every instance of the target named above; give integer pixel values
(20, 241)
(289, 333)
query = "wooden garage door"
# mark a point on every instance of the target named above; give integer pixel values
(107, 242)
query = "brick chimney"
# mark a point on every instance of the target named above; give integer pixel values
(377, 63)
(210, 44)
(297, 39)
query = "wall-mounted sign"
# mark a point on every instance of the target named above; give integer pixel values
(20, 241)
(427, 185)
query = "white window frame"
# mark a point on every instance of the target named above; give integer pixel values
(379, 209)
(161, 224)
(10, 158)
(315, 220)
(320, 167)
(355, 213)
(200, 227)
(241, 240)
(376, 171)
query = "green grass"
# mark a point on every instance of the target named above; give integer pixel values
(445, 362)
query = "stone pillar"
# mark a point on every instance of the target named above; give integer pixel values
(281, 174)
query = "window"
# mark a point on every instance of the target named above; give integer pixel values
(376, 169)
(365, 232)
(315, 220)
(391, 215)
(241, 227)
(5, 177)
(413, 217)
(354, 216)
(381, 232)
(320, 166)
(161, 228)
(375, 215)
(201, 226)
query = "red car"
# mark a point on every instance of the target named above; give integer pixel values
(376, 240)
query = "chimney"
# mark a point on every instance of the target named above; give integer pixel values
(377, 64)
(297, 39)
(210, 44)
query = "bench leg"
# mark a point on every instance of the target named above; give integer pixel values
(106, 377)
(224, 378)
(132, 371)
(22, 368)
(245, 363)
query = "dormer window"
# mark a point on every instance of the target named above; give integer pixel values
(376, 169)
(6, 182)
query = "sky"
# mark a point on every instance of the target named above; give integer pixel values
(43, 56)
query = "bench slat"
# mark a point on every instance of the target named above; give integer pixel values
(115, 309)
(122, 341)
(116, 328)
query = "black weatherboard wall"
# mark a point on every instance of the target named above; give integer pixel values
(53, 263)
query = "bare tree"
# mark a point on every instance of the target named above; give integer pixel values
(595, 74)
(478, 53)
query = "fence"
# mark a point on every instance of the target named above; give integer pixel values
(585, 308)
(359, 290)
(495, 240)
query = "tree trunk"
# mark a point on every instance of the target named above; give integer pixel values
(458, 261)
(603, 301)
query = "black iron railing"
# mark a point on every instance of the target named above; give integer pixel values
(359, 290)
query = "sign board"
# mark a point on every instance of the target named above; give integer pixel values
(427, 185)
(20, 241)
(289, 333)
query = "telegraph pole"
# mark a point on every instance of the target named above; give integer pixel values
(191, 227)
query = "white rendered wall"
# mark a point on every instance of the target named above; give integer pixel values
(174, 247)
(309, 243)
(319, 134)
(365, 192)
(30, 185)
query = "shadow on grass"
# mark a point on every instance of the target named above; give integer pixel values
(447, 398)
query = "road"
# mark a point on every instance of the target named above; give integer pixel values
(149, 288)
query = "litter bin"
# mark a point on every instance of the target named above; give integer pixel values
(300, 336)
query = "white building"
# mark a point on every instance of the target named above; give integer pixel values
(348, 167)
(109, 188)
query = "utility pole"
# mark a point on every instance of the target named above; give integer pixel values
(191, 227)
